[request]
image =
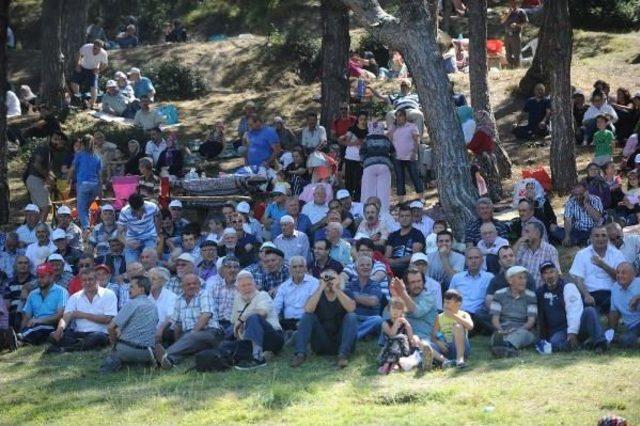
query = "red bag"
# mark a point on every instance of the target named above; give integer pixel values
(541, 175)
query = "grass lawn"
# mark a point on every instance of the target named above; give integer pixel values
(569, 389)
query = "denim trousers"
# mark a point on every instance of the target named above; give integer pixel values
(86, 193)
(311, 331)
(369, 325)
(590, 328)
(260, 332)
(412, 168)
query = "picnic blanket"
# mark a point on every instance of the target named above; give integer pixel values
(224, 185)
(109, 118)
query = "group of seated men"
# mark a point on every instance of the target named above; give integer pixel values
(158, 288)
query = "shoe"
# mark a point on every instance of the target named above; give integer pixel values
(251, 364)
(543, 347)
(384, 369)
(161, 358)
(297, 360)
(461, 364)
(448, 363)
(268, 355)
(342, 361)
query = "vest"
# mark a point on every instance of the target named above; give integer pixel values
(551, 309)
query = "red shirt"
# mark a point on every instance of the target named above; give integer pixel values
(75, 285)
(340, 125)
(481, 142)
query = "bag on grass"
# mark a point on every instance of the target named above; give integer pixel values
(224, 356)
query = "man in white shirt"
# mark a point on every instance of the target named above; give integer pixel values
(292, 294)
(351, 206)
(13, 104)
(594, 269)
(628, 244)
(92, 60)
(27, 231)
(314, 136)
(83, 325)
(39, 251)
(599, 105)
(421, 221)
(317, 209)
(165, 301)
(156, 145)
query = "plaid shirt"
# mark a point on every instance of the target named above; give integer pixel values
(268, 281)
(472, 233)
(222, 296)
(580, 218)
(187, 313)
(533, 259)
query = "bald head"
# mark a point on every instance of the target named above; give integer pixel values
(625, 274)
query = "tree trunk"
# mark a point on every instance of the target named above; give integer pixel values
(432, 7)
(418, 46)
(74, 23)
(563, 154)
(4, 174)
(480, 95)
(52, 64)
(447, 10)
(539, 71)
(335, 54)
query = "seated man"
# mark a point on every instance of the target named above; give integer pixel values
(291, 242)
(420, 261)
(404, 242)
(72, 231)
(103, 231)
(444, 263)
(146, 117)
(563, 319)
(142, 86)
(196, 326)
(321, 259)
(532, 251)
(489, 246)
(373, 227)
(292, 207)
(625, 305)
(329, 323)
(420, 221)
(254, 319)
(132, 331)
(472, 284)
(340, 250)
(537, 109)
(513, 314)
(114, 258)
(367, 295)
(507, 259)
(582, 213)
(70, 255)
(271, 270)
(43, 308)
(138, 225)
(207, 267)
(292, 295)
(594, 270)
(27, 231)
(317, 209)
(222, 288)
(156, 145)
(628, 244)
(484, 211)
(115, 102)
(128, 38)
(83, 325)
(231, 245)
(149, 183)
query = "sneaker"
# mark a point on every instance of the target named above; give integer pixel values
(297, 360)
(461, 364)
(543, 347)
(251, 364)
(342, 361)
(448, 363)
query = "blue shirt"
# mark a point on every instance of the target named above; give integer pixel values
(291, 298)
(370, 289)
(261, 144)
(142, 87)
(620, 299)
(472, 288)
(423, 318)
(275, 212)
(139, 228)
(87, 167)
(303, 224)
(39, 307)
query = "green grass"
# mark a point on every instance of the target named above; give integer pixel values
(571, 389)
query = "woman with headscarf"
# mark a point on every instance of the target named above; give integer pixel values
(597, 185)
(482, 145)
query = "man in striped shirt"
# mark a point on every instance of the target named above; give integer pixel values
(403, 101)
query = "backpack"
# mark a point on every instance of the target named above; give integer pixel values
(169, 111)
(7, 336)
(224, 356)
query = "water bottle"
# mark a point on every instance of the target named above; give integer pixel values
(360, 88)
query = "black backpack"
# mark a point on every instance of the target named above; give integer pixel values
(224, 356)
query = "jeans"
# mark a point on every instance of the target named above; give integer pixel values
(86, 193)
(36, 335)
(482, 323)
(519, 338)
(369, 325)
(412, 168)
(261, 333)
(81, 341)
(123, 354)
(629, 339)
(310, 330)
(193, 342)
(590, 328)
(132, 254)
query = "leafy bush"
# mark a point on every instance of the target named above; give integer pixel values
(606, 15)
(300, 47)
(174, 81)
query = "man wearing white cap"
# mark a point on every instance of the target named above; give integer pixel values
(100, 234)
(62, 274)
(276, 208)
(68, 253)
(302, 221)
(257, 230)
(71, 230)
(123, 86)
(39, 251)
(185, 264)
(179, 222)
(292, 242)
(27, 231)
(142, 86)
(92, 60)
(421, 221)
(114, 102)
(229, 245)
(350, 206)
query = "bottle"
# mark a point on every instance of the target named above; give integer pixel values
(360, 88)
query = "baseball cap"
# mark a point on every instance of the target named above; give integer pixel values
(107, 207)
(416, 205)
(176, 204)
(278, 120)
(134, 70)
(45, 269)
(515, 270)
(281, 189)
(276, 251)
(58, 234)
(104, 267)
(637, 159)
(229, 259)
(64, 210)
(267, 245)
(55, 256)
(419, 257)
(229, 231)
(187, 258)
(342, 194)
(243, 207)
(111, 83)
(546, 265)
(287, 219)
(32, 208)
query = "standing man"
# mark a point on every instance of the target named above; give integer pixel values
(40, 177)
(514, 20)
(314, 136)
(92, 60)
(138, 226)
(262, 143)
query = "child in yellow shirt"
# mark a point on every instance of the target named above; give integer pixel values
(451, 329)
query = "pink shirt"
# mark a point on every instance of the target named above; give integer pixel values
(402, 139)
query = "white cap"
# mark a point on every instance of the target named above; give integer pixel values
(280, 188)
(111, 83)
(54, 257)
(229, 231)
(416, 205)
(212, 237)
(246, 228)
(107, 207)
(58, 234)
(637, 159)
(250, 104)
(64, 210)
(175, 204)
(32, 208)
(187, 258)
(515, 270)
(342, 194)
(134, 70)
(287, 219)
(267, 244)
(417, 257)
(120, 74)
(243, 207)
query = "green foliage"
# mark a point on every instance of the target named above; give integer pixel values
(605, 15)
(174, 81)
(300, 47)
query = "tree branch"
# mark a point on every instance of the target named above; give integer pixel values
(370, 14)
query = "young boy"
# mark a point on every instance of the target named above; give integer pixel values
(430, 240)
(602, 141)
(450, 331)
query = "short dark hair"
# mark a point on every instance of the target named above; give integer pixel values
(441, 222)
(501, 249)
(327, 243)
(404, 207)
(136, 201)
(602, 117)
(453, 295)
(524, 200)
(445, 232)
(142, 281)
(364, 242)
(312, 114)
